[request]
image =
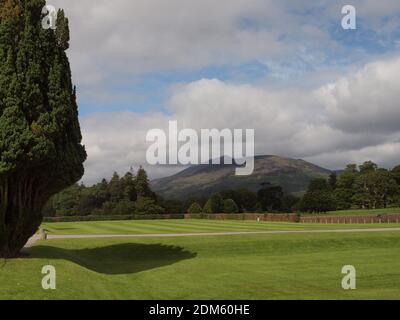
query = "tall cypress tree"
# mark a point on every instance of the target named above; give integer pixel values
(40, 138)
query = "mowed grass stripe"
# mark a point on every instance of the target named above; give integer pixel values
(228, 225)
(189, 226)
(150, 227)
(112, 228)
(181, 226)
(265, 226)
(119, 227)
(214, 226)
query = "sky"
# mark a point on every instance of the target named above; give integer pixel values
(287, 69)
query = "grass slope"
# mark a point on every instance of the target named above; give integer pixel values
(306, 266)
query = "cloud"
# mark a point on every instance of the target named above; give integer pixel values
(350, 120)
(322, 99)
(142, 36)
(366, 102)
(117, 142)
(115, 38)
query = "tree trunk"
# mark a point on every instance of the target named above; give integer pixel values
(20, 215)
(16, 234)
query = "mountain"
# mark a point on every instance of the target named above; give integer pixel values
(293, 175)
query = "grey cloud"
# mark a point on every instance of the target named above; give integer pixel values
(136, 37)
(312, 124)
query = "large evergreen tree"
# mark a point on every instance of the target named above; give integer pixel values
(40, 138)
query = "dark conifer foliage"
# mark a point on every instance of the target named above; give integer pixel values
(40, 138)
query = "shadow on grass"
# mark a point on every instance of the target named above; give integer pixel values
(116, 259)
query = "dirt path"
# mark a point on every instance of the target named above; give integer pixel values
(173, 235)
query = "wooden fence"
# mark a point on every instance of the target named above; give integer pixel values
(352, 219)
(292, 217)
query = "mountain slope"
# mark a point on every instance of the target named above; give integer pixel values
(201, 180)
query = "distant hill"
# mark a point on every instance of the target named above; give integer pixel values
(202, 180)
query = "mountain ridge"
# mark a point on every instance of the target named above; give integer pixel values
(204, 179)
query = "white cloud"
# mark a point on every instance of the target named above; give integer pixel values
(116, 142)
(141, 36)
(351, 120)
(367, 101)
(135, 37)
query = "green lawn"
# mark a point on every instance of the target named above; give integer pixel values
(186, 226)
(229, 267)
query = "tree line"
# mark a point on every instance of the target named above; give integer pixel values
(365, 186)
(129, 194)
(269, 198)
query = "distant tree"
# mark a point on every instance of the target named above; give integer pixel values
(318, 198)
(343, 198)
(368, 167)
(318, 202)
(172, 206)
(230, 206)
(347, 178)
(115, 188)
(216, 203)
(289, 203)
(129, 187)
(228, 194)
(148, 206)
(65, 203)
(108, 208)
(258, 208)
(270, 197)
(187, 202)
(396, 174)
(318, 184)
(351, 168)
(86, 202)
(332, 182)
(143, 184)
(245, 199)
(344, 192)
(375, 188)
(124, 207)
(208, 207)
(195, 208)
(101, 192)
